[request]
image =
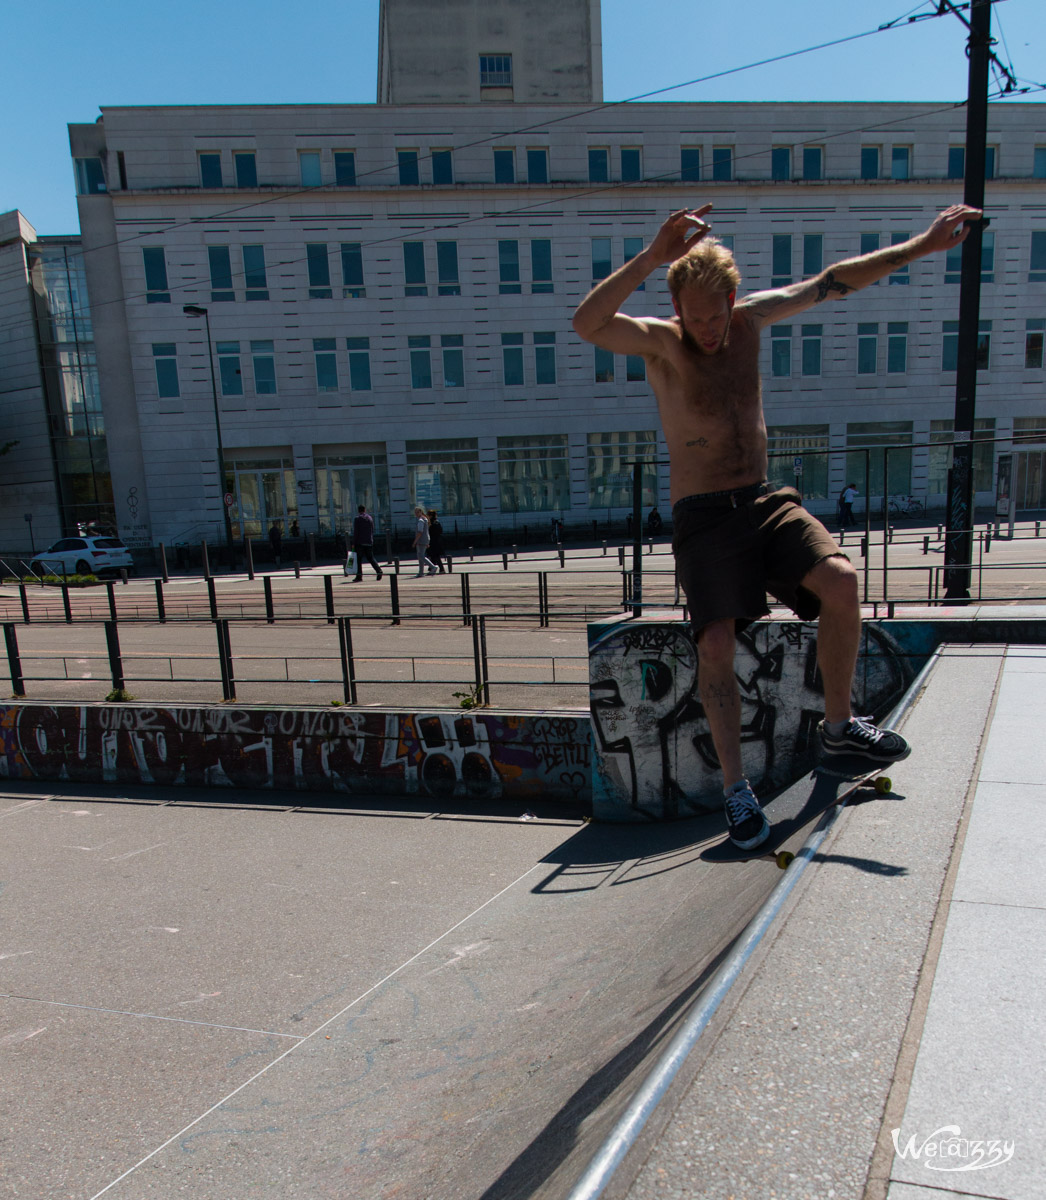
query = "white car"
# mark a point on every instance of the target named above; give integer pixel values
(83, 556)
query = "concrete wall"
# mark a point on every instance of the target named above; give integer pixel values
(442, 755)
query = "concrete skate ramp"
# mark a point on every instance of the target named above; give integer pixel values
(225, 1001)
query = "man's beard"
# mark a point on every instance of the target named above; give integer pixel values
(691, 343)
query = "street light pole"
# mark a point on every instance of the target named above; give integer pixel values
(196, 310)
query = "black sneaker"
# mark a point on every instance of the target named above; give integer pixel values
(745, 820)
(861, 737)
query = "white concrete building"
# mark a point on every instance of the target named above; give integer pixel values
(390, 287)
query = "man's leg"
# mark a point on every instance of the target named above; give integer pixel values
(834, 582)
(717, 685)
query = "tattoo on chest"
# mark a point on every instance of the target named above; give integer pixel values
(701, 441)
(830, 284)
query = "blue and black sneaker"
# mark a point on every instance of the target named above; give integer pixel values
(745, 820)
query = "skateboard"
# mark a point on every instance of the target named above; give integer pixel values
(831, 782)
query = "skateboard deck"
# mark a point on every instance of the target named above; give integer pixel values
(831, 782)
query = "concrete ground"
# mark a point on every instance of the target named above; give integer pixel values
(201, 997)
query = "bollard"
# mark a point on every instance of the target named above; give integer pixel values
(450, 565)
(394, 589)
(328, 596)
(270, 613)
(110, 588)
(123, 574)
(604, 549)
(206, 559)
(66, 604)
(250, 557)
(161, 612)
(14, 663)
(988, 539)
(112, 642)
(515, 552)
(396, 565)
(864, 547)
(504, 560)
(650, 546)
(212, 596)
(621, 556)
(163, 564)
(472, 556)
(297, 569)
(25, 602)
(926, 544)
(562, 557)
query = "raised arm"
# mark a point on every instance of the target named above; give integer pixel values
(597, 319)
(949, 229)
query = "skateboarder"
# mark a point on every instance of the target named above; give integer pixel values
(735, 539)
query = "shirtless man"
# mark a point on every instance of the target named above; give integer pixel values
(734, 538)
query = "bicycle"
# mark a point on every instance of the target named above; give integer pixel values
(906, 506)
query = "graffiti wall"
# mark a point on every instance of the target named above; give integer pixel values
(653, 752)
(442, 755)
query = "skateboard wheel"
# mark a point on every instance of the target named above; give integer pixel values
(883, 785)
(784, 858)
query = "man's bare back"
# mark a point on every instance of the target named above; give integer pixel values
(710, 407)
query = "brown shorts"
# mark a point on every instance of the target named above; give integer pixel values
(728, 558)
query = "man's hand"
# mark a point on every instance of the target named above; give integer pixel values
(682, 231)
(950, 228)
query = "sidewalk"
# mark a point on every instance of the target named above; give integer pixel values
(902, 989)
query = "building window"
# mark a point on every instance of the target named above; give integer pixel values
(813, 251)
(263, 361)
(533, 473)
(319, 271)
(867, 348)
(602, 264)
(956, 162)
(781, 163)
(781, 260)
(612, 459)
(352, 271)
(155, 262)
(545, 359)
(442, 167)
(504, 166)
(420, 362)
(344, 481)
(495, 70)
(408, 168)
(941, 454)
(1029, 430)
(229, 368)
(541, 265)
(690, 164)
(359, 363)
(246, 169)
(1033, 336)
(220, 263)
(325, 351)
(869, 243)
(512, 358)
(448, 283)
(896, 347)
(414, 269)
(309, 168)
(874, 435)
(443, 474)
(950, 346)
(264, 491)
(453, 360)
(633, 246)
(603, 365)
(813, 162)
(901, 162)
(508, 268)
(537, 166)
(901, 275)
(811, 349)
(632, 164)
(780, 351)
(598, 164)
(870, 162)
(345, 168)
(953, 260)
(722, 163)
(210, 169)
(990, 158)
(90, 177)
(1039, 163)
(166, 370)
(635, 368)
(1037, 263)
(254, 273)
(786, 443)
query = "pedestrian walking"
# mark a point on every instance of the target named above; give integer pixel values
(276, 541)
(363, 542)
(435, 539)
(846, 506)
(421, 543)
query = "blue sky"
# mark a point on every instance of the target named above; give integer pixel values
(63, 60)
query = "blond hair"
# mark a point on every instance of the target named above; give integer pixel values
(708, 267)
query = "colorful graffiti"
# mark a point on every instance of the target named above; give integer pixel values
(442, 755)
(654, 756)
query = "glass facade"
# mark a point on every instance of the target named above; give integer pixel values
(344, 481)
(786, 443)
(443, 473)
(611, 459)
(533, 473)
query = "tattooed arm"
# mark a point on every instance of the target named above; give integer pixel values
(948, 229)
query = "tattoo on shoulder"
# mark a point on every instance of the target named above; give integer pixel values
(701, 441)
(829, 284)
